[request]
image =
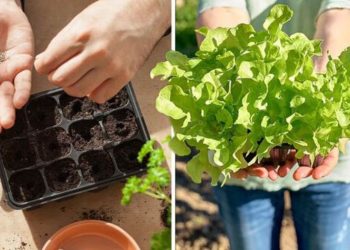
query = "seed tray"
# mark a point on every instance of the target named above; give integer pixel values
(62, 146)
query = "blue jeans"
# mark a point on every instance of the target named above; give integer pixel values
(253, 218)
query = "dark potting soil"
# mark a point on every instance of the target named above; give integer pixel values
(164, 214)
(120, 100)
(53, 143)
(120, 125)
(96, 166)
(86, 134)
(43, 112)
(27, 185)
(76, 108)
(126, 156)
(62, 175)
(96, 214)
(18, 129)
(18, 154)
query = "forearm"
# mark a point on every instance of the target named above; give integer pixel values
(332, 28)
(221, 17)
(157, 13)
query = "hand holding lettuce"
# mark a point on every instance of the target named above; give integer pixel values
(248, 92)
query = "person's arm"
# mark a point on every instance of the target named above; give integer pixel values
(16, 47)
(103, 47)
(332, 27)
(221, 17)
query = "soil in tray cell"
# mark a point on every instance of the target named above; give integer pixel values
(53, 143)
(27, 185)
(119, 100)
(126, 156)
(43, 112)
(120, 125)
(62, 175)
(76, 108)
(96, 166)
(86, 134)
(18, 154)
(18, 129)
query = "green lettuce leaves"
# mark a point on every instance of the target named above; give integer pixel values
(249, 91)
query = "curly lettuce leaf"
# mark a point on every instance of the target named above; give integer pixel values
(247, 91)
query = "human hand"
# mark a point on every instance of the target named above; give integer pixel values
(16, 47)
(322, 166)
(102, 48)
(269, 168)
(331, 28)
(280, 158)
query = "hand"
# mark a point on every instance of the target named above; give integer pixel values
(269, 167)
(324, 166)
(332, 29)
(322, 169)
(102, 48)
(16, 47)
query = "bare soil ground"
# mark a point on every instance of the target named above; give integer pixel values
(198, 225)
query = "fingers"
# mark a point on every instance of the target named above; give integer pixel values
(13, 65)
(271, 171)
(60, 49)
(87, 84)
(254, 170)
(107, 90)
(284, 169)
(302, 172)
(22, 84)
(327, 165)
(240, 174)
(7, 110)
(71, 71)
(257, 170)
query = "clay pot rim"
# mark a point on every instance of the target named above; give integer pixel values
(64, 230)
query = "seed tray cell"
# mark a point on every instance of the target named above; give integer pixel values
(62, 146)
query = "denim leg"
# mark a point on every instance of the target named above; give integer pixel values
(252, 218)
(321, 215)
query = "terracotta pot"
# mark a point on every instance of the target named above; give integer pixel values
(91, 235)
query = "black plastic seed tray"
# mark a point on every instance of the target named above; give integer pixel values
(62, 146)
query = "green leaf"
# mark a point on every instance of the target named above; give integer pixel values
(176, 58)
(279, 15)
(156, 180)
(164, 68)
(161, 240)
(146, 149)
(179, 147)
(297, 101)
(166, 106)
(223, 116)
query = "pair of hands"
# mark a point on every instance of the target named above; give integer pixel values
(332, 29)
(303, 171)
(95, 55)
